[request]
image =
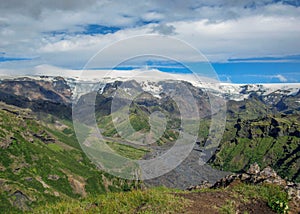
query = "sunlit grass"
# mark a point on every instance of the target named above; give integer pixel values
(157, 200)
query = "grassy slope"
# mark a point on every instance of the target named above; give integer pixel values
(156, 200)
(163, 200)
(128, 151)
(27, 163)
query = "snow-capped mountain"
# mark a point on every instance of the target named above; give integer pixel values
(239, 92)
(151, 81)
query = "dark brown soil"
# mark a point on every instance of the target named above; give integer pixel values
(256, 206)
(294, 207)
(206, 202)
(212, 202)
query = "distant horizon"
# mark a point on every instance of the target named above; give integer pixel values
(226, 72)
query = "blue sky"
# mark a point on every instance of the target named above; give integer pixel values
(246, 41)
(263, 72)
(240, 72)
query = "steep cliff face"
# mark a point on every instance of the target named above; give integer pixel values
(270, 140)
(56, 90)
(52, 97)
(263, 128)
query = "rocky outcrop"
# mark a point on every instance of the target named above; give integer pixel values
(21, 200)
(53, 177)
(202, 185)
(77, 186)
(5, 143)
(255, 175)
(44, 137)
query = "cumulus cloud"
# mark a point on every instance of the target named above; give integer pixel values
(246, 37)
(164, 29)
(281, 78)
(50, 30)
(35, 8)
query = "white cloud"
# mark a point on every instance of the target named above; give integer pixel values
(153, 16)
(281, 78)
(246, 37)
(164, 29)
(220, 29)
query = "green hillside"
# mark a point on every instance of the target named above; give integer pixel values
(270, 141)
(41, 161)
(239, 198)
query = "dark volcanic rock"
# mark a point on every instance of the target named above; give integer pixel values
(256, 176)
(21, 200)
(44, 137)
(188, 173)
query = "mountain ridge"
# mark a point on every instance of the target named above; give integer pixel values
(256, 122)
